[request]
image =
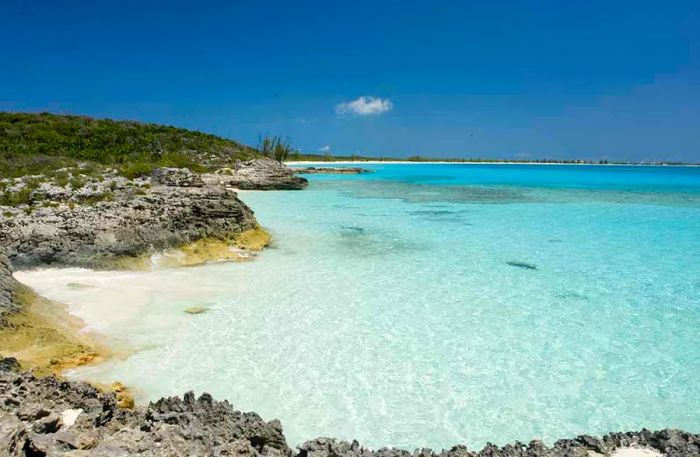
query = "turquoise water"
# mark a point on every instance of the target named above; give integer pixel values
(430, 305)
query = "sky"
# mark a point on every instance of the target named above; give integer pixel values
(500, 79)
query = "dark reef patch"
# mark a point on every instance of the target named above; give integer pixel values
(523, 265)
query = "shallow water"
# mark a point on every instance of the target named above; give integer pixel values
(429, 305)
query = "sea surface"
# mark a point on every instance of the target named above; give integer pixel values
(430, 305)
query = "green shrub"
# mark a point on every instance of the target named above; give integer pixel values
(136, 170)
(20, 197)
(96, 198)
(76, 182)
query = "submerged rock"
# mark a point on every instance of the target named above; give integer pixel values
(79, 286)
(524, 265)
(196, 310)
(353, 228)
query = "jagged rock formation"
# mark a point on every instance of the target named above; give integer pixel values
(258, 174)
(50, 416)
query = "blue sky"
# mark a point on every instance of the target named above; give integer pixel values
(511, 79)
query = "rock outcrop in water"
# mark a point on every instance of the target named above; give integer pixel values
(330, 170)
(49, 417)
(258, 174)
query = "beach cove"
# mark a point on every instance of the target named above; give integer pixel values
(480, 303)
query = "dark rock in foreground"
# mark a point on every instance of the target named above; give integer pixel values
(50, 416)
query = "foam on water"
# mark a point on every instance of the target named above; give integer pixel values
(429, 305)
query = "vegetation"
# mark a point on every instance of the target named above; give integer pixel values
(41, 143)
(275, 148)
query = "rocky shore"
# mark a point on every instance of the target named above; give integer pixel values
(49, 417)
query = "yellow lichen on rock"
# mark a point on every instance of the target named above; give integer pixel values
(204, 250)
(254, 239)
(127, 263)
(44, 337)
(125, 399)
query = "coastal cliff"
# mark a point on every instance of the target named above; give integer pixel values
(111, 221)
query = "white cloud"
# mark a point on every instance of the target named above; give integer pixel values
(364, 106)
(325, 148)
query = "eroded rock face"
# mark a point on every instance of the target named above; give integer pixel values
(50, 416)
(8, 286)
(258, 174)
(131, 224)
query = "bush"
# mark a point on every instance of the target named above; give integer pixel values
(136, 170)
(21, 197)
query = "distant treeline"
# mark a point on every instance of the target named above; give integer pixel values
(304, 157)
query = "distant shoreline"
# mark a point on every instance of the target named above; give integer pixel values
(452, 162)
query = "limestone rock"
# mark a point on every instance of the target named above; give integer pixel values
(130, 225)
(176, 177)
(259, 174)
(8, 287)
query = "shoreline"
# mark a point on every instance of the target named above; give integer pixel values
(439, 162)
